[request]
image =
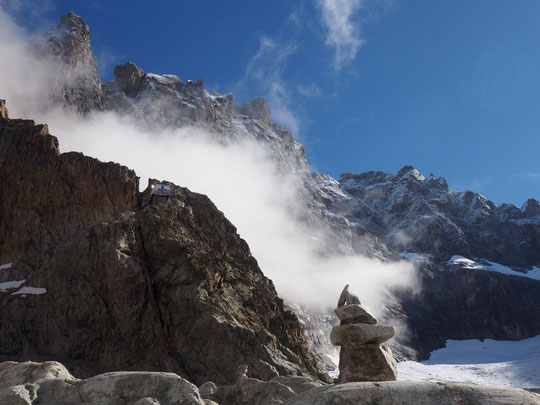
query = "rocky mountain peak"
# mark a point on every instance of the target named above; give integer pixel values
(73, 20)
(410, 173)
(75, 82)
(531, 207)
(128, 77)
(257, 109)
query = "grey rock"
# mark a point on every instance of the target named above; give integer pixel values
(298, 384)
(413, 393)
(14, 374)
(128, 77)
(50, 383)
(366, 363)
(361, 334)
(207, 389)
(347, 298)
(354, 313)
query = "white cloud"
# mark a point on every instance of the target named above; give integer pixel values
(265, 73)
(531, 175)
(311, 90)
(343, 33)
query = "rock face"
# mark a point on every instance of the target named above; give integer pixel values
(50, 383)
(101, 283)
(74, 76)
(362, 357)
(413, 393)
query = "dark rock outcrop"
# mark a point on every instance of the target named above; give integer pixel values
(104, 282)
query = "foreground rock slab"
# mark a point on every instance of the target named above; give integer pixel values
(50, 383)
(413, 393)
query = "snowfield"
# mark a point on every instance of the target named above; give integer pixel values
(492, 266)
(491, 362)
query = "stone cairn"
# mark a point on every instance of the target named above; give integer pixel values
(362, 356)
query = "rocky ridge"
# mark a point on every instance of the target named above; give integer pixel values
(94, 277)
(412, 213)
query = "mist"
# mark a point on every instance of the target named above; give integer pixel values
(241, 178)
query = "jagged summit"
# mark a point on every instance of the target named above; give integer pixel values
(128, 77)
(73, 20)
(75, 82)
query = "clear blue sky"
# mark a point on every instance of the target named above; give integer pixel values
(450, 87)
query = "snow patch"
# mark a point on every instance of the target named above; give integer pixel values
(9, 285)
(30, 291)
(492, 266)
(164, 79)
(491, 362)
(414, 257)
(334, 358)
(5, 266)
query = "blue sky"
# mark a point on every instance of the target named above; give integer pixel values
(450, 87)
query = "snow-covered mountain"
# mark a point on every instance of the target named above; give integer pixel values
(376, 214)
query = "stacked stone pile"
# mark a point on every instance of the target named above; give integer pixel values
(362, 356)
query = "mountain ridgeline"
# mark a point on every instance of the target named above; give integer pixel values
(173, 287)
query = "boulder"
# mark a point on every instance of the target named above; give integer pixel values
(50, 383)
(413, 393)
(366, 363)
(354, 313)
(361, 334)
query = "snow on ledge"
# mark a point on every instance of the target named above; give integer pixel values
(5, 266)
(492, 266)
(9, 285)
(30, 291)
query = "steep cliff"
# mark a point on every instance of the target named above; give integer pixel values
(95, 277)
(74, 80)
